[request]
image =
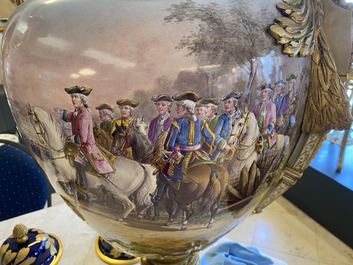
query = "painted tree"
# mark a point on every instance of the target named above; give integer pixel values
(229, 36)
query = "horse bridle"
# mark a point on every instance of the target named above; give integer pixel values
(42, 134)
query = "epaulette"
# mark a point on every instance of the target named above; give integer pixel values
(176, 125)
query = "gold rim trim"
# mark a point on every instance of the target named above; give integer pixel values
(110, 260)
(60, 252)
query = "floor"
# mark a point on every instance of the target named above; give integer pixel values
(324, 162)
(286, 233)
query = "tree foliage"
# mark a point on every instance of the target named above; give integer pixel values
(222, 35)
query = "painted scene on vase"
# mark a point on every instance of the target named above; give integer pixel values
(171, 126)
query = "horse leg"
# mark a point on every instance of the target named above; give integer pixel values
(128, 205)
(214, 210)
(184, 221)
(187, 213)
(169, 207)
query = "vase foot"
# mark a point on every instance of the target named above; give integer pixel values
(192, 259)
(111, 255)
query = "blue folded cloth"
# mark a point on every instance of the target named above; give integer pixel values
(228, 252)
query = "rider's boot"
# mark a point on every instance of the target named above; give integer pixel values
(160, 191)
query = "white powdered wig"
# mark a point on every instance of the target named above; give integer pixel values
(107, 112)
(190, 107)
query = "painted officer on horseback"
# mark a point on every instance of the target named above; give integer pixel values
(81, 144)
(210, 105)
(161, 122)
(121, 128)
(102, 132)
(223, 127)
(183, 144)
(265, 113)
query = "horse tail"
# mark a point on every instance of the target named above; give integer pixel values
(211, 194)
(143, 198)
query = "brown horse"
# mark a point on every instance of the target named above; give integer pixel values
(205, 183)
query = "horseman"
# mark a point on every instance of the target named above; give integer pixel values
(265, 113)
(82, 137)
(102, 132)
(292, 103)
(210, 105)
(182, 144)
(281, 102)
(223, 126)
(106, 117)
(163, 120)
(121, 128)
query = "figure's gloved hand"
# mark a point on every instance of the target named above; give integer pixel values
(228, 252)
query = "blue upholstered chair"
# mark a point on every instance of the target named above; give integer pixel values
(23, 185)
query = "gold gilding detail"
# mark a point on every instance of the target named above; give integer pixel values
(300, 33)
(22, 254)
(191, 137)
(20, 232)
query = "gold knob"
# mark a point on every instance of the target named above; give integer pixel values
(20, 232)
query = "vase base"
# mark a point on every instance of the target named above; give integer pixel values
(110, 255)
(172, 260)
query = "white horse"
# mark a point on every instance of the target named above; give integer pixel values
(130, 177)
(242, 164)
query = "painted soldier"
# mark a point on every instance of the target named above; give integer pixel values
(265, 109)
(265, 113)
(122, 127)
(232, 112)
(82, 135)
(163, 120)
(292, 101)
(210, 106)
(102, 132)
(223, 126)
(183, 143)
(200, 110)
(281, 102)
(106, 117)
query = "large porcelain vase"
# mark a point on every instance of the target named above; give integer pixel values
(164, 124)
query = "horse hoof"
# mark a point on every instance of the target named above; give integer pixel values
(140, 216)
(209, 226)
(120, 219)
(183, 228)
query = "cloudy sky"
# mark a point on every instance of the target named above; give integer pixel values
(115, 47)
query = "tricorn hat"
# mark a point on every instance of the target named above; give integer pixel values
(234, 94)
(189, 95)
(78, 89)
(280, 82)
(127, 102)
(104, 106)
(205, 101)
(162, 97)
(291, 76)
(265, 87)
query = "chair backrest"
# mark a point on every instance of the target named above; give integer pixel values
(23, 185)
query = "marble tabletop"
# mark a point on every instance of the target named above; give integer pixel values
(61, 221)
(77, 237)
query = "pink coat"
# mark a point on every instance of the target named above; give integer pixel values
(269, 113)
(82, 131)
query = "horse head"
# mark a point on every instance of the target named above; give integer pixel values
(237, 131)
(51, 141)
(140, 125)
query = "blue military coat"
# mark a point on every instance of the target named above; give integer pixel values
(223, 126)
(186, 133)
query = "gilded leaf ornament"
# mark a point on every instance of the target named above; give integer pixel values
(300, 33)
(22, 254)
